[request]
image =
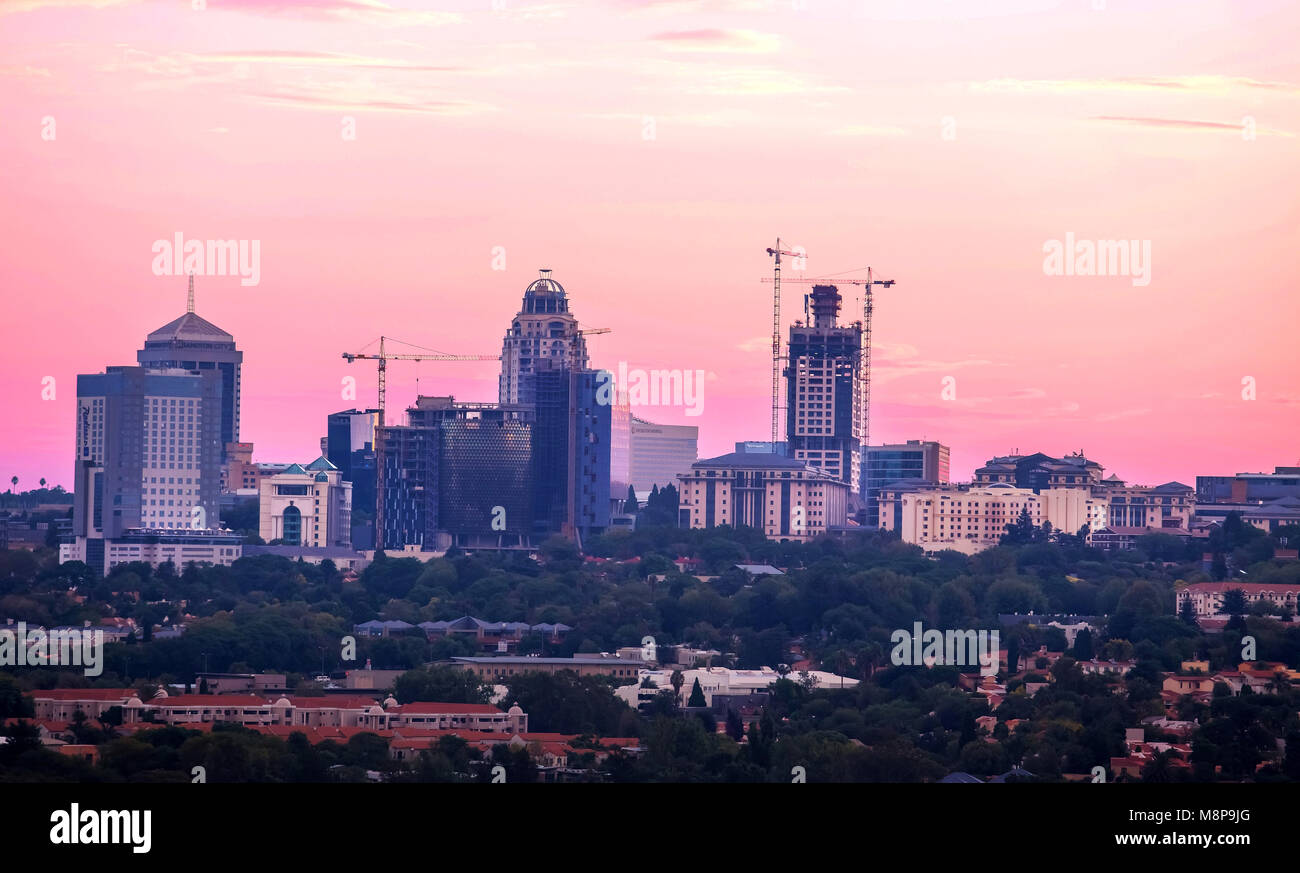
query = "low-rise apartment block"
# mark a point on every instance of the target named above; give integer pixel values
(973, 519)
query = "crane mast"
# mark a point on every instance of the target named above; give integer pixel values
(776, 253)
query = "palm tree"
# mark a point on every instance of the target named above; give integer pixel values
(1158, 769)
(678, 680)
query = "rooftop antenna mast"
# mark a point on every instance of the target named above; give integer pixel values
(189, 306)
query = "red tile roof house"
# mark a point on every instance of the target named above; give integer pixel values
(244, 709)
(60, 704)
(548, 750)
(1102, 667)
(335, 710)
(1207, 597)
(1183, 685)
(1029, 660)
(52, 731)
(251, 710)
(86, 753)
(445, 716)
(1259, 681)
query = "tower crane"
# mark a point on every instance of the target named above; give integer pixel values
(776, 253)
(864, 362)
(383, 357)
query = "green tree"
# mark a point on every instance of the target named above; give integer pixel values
(1083, 645)
(697, 696)
(567, 703)
(1234, 601)
(440, 684)
(736, 728)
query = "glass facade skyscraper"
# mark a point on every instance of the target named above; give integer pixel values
(922, 461)
(148, 451)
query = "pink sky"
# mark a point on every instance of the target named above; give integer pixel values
(525, 127)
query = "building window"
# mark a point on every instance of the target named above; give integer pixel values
(292, 525)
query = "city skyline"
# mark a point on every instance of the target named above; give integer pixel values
(851, 159)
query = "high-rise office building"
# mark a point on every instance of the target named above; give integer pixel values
(484, 475)
(459, 474)
(410, 490)
(350, 446)
(824, 391)
(620, 446)
(592, 428)
(560, 469)
(484, 467)
(543, 333)
(148, 454)
(193, 343)
(917, 461)
(660, 453)
(543, 361)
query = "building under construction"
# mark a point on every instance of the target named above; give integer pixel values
(508, 474)
(824, 396)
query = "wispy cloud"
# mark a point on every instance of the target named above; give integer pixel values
(334, 99)
(23, 71)
(668, 7)
(720, 118)
(372, 11)
(726, 81)
(11, 6)
(867, 130)
(1124, 413)
(1188, 124)
(1204, 84)
(318, 59)
(538, 11)
(888, 372)
(359, 10)
(717, 40)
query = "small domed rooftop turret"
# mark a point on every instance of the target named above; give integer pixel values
(545, 295)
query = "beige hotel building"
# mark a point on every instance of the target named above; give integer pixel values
(785, 498)
(974, 519)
